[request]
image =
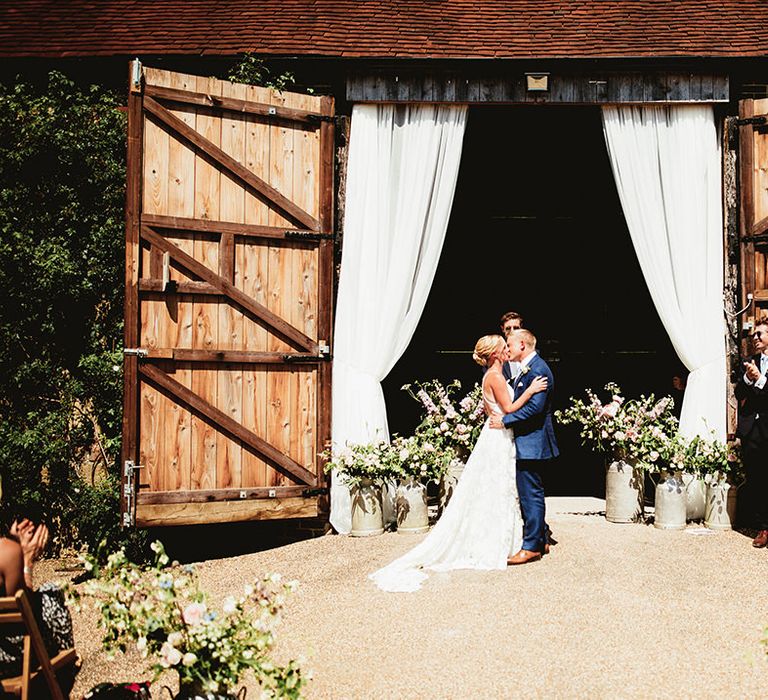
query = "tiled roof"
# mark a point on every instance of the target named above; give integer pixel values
(386, 28)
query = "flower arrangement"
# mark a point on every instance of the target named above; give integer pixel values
(417, 457)
(163, 612)
(447, 421)
(712, 459)
(642, 430)
(357, 462)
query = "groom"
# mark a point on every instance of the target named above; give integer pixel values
(534, 440)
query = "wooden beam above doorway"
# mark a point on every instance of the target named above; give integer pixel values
(575, 88)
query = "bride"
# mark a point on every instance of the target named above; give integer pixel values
(482, 526)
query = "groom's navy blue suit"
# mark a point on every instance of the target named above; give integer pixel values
(536, 445)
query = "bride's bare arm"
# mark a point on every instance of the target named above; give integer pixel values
(501, 395)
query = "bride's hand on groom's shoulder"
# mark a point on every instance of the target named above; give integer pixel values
(495, 421)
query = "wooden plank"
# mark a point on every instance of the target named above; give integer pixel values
(133, 199)
(243, 494)
(181, 203)
(159, 325)
(233, 104)
(205, 408)
(242, 356)
(746, 210)
(229, 164)
(225, 511)
(281, 385)
(227, 227)
(180, 288)
(306, 193)
(205, 311)
(230, 377)
(229, 290)
(152, 310)
(252, 262)
(325, 292)
(760, 168)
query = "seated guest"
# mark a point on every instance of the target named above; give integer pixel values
(19, 550)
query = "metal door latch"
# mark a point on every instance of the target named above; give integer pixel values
(130, 475)
(137, 352)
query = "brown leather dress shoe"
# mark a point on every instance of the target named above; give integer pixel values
(523, 557)
(761, 539)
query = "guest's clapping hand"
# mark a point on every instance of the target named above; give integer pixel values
(752, 371)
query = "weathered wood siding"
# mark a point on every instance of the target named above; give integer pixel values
(585, 88)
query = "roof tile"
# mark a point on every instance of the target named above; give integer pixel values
(382, 28)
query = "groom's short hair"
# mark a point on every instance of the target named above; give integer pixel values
(525, 335)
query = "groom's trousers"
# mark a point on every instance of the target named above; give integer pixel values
(530, 489)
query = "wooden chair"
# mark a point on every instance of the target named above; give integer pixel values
(16, 618)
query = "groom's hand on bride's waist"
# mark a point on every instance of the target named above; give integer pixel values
(495, 421)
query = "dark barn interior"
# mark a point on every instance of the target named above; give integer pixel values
(537, 227)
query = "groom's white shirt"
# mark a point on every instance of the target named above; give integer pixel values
(525, 362)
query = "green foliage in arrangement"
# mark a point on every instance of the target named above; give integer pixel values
(62, 193)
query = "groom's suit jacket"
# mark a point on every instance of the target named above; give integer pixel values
(534, 434)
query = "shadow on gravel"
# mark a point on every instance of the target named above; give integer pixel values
(194, 543)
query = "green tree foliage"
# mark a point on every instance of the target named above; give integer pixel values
(62, 190)
(254, 71)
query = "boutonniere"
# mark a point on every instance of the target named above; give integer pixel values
(525, 369)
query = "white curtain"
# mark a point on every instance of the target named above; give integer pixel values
(666, 161)
(403, 165)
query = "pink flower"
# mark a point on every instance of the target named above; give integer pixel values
(193, 614)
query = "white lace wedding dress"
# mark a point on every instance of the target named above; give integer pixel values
(481, 526)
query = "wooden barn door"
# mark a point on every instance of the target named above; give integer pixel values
(229, 263)
(753, 218)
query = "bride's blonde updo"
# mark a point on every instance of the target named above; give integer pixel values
(485, 347)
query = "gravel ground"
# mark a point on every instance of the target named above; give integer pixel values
(615, 611)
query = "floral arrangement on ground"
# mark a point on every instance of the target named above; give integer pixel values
(162, 610)
(645, 432)
(447, 420)
(640, 430)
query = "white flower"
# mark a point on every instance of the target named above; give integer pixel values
(444, 427)
(275, 578)
(619, 435)
(169, 655)
(229, 606)
(403, 455)
(141, 645)
(175, 638)
(654, 455)
(248, 589)
(189, 659)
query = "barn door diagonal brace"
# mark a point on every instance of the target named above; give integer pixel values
(229, 290)
(238, 171)
(280, 461)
